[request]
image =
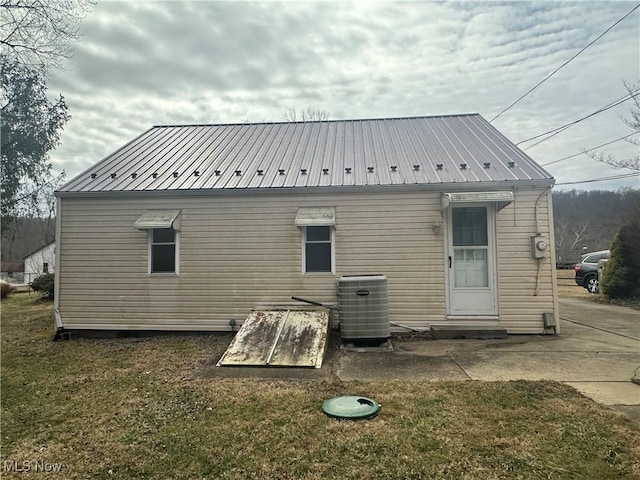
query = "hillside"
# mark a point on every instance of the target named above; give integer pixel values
(25, 235)
(586, 221)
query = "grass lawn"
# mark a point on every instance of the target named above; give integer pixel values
(567, 286)
(136, 408)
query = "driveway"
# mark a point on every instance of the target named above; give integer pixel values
(597, 352)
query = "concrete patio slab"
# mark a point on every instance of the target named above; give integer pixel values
(557, 366)
(610, 393)
(391, 366)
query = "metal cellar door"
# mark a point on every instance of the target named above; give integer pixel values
(471, 261)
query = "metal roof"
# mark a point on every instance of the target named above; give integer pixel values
(455, 149)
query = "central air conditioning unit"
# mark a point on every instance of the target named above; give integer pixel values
(363, 307)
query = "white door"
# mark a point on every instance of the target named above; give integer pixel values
(471, 261)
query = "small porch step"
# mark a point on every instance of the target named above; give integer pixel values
(440, 332)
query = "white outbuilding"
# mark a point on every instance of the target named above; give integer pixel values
(42, 260)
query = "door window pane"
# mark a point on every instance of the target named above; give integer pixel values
(469, 225)
(471, 268)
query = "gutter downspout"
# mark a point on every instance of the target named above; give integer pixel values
(541, 259)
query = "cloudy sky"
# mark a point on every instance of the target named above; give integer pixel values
(141, 64)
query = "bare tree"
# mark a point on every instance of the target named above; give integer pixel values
(633, 122)
(307, 114)
(40, 33)
(33, 224)
(40, 202)
(570, 237)
(588, 220)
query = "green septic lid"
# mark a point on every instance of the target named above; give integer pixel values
(351, 407)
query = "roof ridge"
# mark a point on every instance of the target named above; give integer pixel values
(284, 122)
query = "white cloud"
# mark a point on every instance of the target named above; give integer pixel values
(146, 63)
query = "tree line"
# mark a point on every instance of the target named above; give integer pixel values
(587, 221)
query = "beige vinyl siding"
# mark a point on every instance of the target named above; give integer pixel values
(520, 310)
(239, 251)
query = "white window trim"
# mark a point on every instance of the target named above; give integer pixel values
(303, 250)
(149, 261)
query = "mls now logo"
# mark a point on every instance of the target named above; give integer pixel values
(31, 466)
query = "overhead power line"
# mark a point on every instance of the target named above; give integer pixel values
(555, 131)
(602, 179)
(565, 63)
(588, 150)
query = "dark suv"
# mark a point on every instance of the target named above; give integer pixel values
(587, 270)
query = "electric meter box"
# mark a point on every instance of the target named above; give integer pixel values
(539, 246)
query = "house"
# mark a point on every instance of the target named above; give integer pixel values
(189, 227)
(43, 260)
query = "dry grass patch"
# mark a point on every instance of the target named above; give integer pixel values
(567, 286)
(6, 289)
(132, 408)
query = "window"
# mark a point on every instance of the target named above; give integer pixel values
(318, 249)
(45, 267)
(470, 246)
(469, 226)
(163, 250)
(595, 258)
(592, 259)
(164, 239)
(317, 227)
